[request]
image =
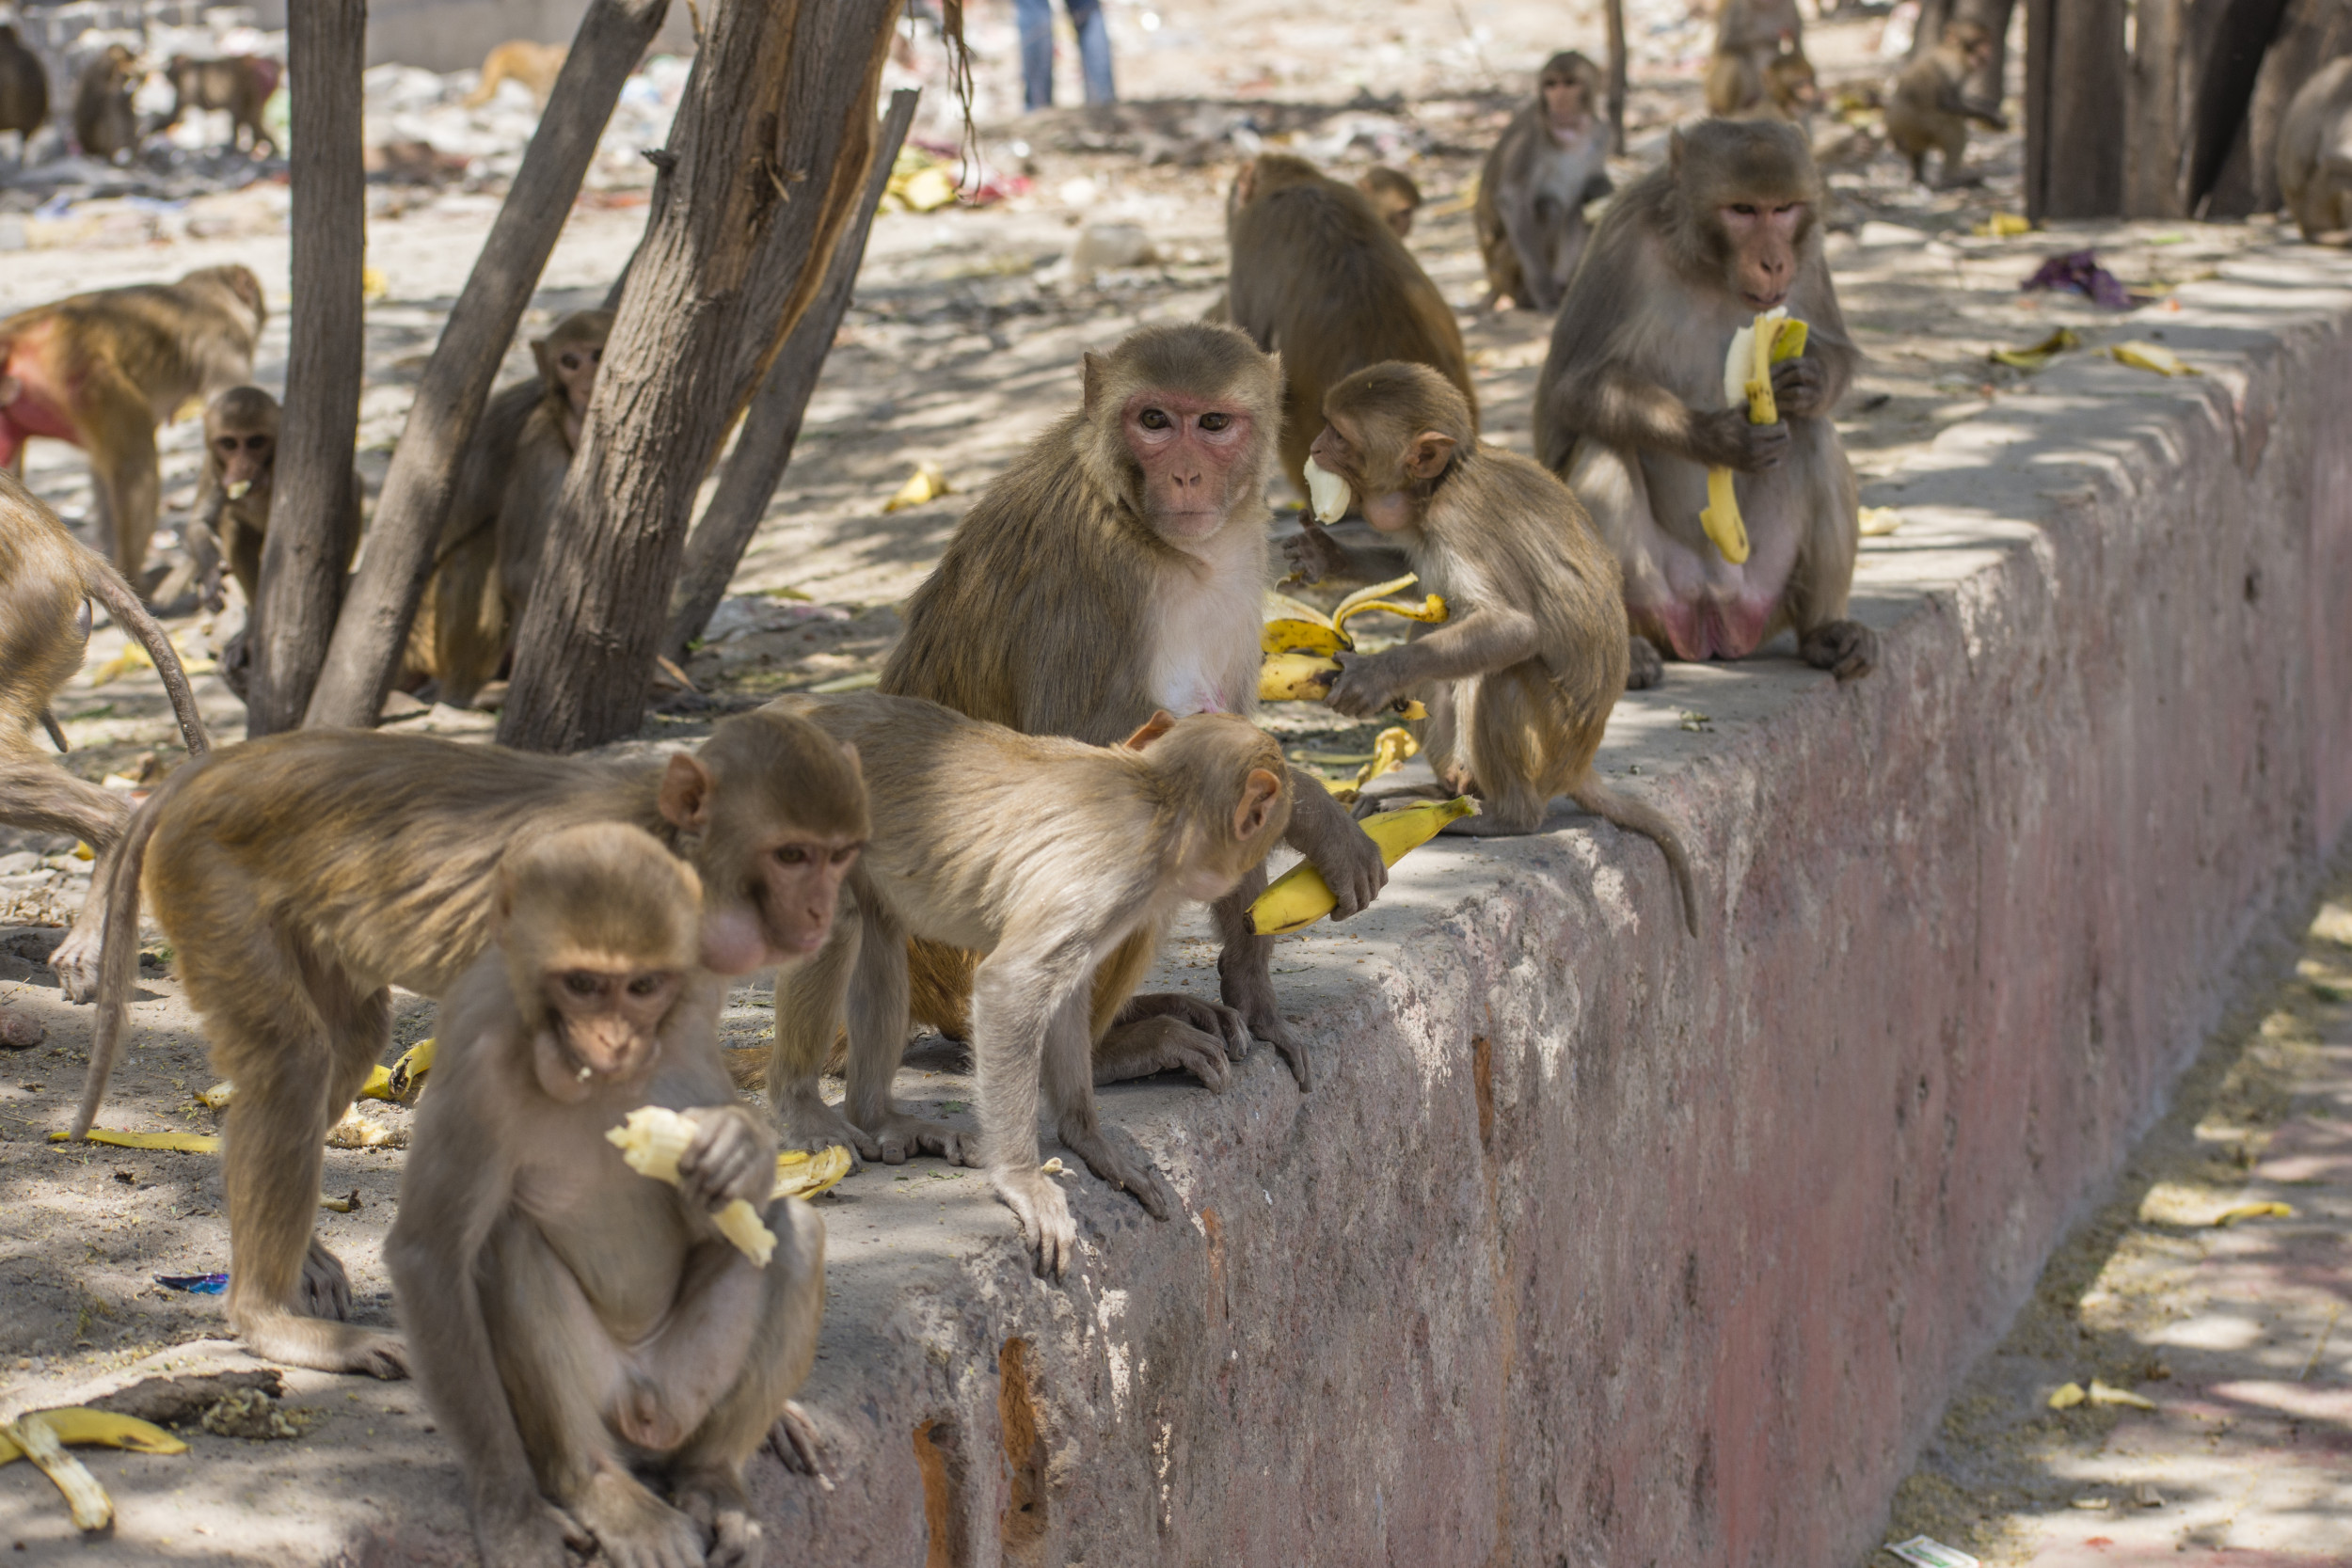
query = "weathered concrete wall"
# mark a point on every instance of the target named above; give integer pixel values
(1593, 1244)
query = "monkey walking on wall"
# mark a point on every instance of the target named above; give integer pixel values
(1549, 161)
(1630, 409)
(576, 1325)
(1521, 677)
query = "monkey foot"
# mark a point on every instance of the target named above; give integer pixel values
(75, 963)
(1044, 1214)
(325, 1291)
(716, 1501)
(1169, 1032)
(1252, 996)
(20, 1031)
(896, 1138)
(793, 1441)
(1127, 1167)
(1847, 649)
(633, 1527)
(531, 1535)
(806, 1122)
(326, 1347)
(1647, 668)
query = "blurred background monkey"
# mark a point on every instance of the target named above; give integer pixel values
(1549, 161)
(1930, 108)
(1392, 194)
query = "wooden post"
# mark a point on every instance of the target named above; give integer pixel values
(773, 425)
(766, 163)
(374, 629)
(1614, 11)
(2076, 82)
(313, 518)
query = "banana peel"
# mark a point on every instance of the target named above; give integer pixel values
(1772, 336)
(183, 1143)
(2039, 354)
(408, 1075)
(1296, 677)
(1389, 750)
(34, 1438)
(651, 1140)
(1300, 896)
(803, 1175)
(2254, 1212)
(926, 484)
(79, 1427)
(1292, 634)
(1430, 611)
(2140, 356)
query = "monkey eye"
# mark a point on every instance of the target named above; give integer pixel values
(1153, 418)
(792, 854)
(1789, 207)
(581, 983)
(228, 445)
(257, 443)
(571, 361)
(595, 357)
(646, 985)
(1745, 209)
(1216, 422)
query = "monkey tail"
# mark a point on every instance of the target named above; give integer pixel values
(104, 584)
(119, 947)
(1638, 817)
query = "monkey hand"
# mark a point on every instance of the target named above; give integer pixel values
(1724, 439)
(1801, 388)
(1038, 1203)
(1366, 686)
(1314, 554)
(733, 1156)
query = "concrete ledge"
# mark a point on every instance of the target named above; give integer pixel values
(1596, 1245)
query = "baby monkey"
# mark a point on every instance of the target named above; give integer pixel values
(572, 1323)
(1522, 675)
(961, 853)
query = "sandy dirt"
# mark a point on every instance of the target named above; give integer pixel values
(964, 339)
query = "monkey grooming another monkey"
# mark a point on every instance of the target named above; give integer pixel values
(507, 484)
(1549, 161)
(1929, 107)
(1630, 409)
(2315, 154)
(23, 91)
(962, 857)
(105, 124)
(574, 1324)
(240, 84)
(1318, 277)
(1522, 675)
(301, 876)
(103, 370)
(47, 579)
(1392, 194)
(1118, 568)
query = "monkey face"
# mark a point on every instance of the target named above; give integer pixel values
(1382, 480)
(1763, 240)
(603, 1026)
(242, 461)
(576, 368)
(1186, 447)
(795, 887)
(1566, 104)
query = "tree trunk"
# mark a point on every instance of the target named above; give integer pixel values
(314, 515)
(2155, 165)
(1933, 15)
(365, 654)
(2075, 81)
(765, 446)
(1613, 13)
(766, 163)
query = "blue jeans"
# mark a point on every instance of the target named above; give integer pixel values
(1037, 50)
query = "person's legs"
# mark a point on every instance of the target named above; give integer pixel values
(1036, 19)
(1094, 49)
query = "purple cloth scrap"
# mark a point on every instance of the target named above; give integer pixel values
(2079, 271)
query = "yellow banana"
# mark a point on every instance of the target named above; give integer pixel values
(1291, 635)
(1300, 896)
(185, 1143)
(1296, 677)
(1431, 610)
(1349, 606)
(78, 1427)
(1756, 348)
(803, 1175)
(2140, 356)
(407, 1073)
(33, 1438)
(651, 1140)
(1389, 750)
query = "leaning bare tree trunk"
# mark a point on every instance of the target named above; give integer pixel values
(1614, 11)
(773, 424)
(302, 565)
(767, 163)
(365, 654)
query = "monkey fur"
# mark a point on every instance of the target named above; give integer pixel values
(23, 91)
(1549, 161)
(105, 124)
(2315, 155)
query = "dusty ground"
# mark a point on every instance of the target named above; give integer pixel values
(965, 337)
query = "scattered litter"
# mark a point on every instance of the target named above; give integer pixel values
(1925, 1551)
(183, 1143)
(2101, 1393)
(2005, 225)
(2039, 354)
(194, 1284)
(84, 1427)
(1695, 721)
(2254, 1212)
(405, 1080)
(919, 183)
(2079, 271)
(926, 484)
(1878, 521)
(217, 1097)
(2150, 356)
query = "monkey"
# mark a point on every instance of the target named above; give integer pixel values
(1317, 277)
(1522, 675)
(507, 484)
(1629, 408)
(232, 506)
(572, 1323)
(103, 370)
(1929, 106)
(1117, 568)
(301, 876)
(2315, 155)
(240, 84)
(47, 579)
(105, 124)
(1392, 194)
(534, 65)
(1549, 161)
(1759, 66)
(962, 856)
(23, 91)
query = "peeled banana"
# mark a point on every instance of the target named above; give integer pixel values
(651, 1140)
(1748, 373)
(1300, 896)
(1327, 492)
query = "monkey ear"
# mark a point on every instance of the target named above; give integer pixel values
(1157, 725)
(1259, 792)
(848, 755)
(1432, 450)
(685, 799)
(1091, 372)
